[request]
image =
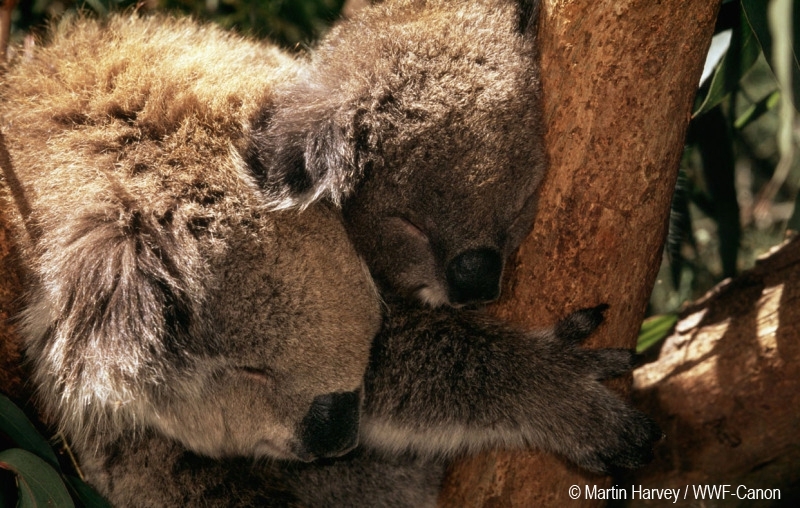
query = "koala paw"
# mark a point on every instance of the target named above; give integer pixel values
(576, 327)
(629, 444)
(615, 435)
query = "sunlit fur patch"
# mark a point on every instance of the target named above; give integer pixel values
(445, 441)
(433, 296)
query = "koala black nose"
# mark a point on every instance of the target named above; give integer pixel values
(330, 428)
(474, 276)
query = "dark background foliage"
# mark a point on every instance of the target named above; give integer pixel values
(737, 194)
(291, 23)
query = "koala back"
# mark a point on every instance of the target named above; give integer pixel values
(162, 294)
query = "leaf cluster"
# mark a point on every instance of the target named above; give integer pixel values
(737, 192)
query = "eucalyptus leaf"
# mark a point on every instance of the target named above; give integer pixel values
(740, 57)
(98, 6)
(680, 228)
(654, 329)
(713, 137)
(754, 112)
(85, 494)
(38, 484)
(754, 12)
(794, 220)
(21, 431)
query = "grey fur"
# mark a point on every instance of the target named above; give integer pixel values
(431, 112)
(165, 161)
(423, 119)
(444, 381)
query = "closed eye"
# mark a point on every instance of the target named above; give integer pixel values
(256, 374)
(411, 228)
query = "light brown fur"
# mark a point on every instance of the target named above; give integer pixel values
(161, 293)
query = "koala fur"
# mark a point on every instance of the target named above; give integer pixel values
(185, 319)
(163, 298)
(424, 119)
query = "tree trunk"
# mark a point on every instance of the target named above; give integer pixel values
(618, 79)
(726, 389)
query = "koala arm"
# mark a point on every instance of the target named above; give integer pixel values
(443, 382)
(149, 470)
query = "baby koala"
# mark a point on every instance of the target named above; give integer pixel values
(423, 119)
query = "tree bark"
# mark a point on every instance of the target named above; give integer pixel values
(726, 388)
(618, 80)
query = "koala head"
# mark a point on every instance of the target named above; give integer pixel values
(162, 296)
(286, 332)
(423, 120)
(253, 342)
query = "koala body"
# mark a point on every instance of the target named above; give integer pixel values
(424, 120)
(165, 253)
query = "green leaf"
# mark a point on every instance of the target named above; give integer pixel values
(98, 7)
(740, 57)
(654, 329)
(754, 112)
(754, 12)
(39, 485)
(21, 431)
(85, 494)
(680, 228)
(794, 220)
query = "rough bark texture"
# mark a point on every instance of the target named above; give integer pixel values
(726, 388)
(619, 79)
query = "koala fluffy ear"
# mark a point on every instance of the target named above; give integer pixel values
(303, 154)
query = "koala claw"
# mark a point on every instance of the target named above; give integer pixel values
(576, 327)
(611, 362)
(627, 443)
(635, 448)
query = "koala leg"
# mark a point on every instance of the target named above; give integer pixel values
(444, 382)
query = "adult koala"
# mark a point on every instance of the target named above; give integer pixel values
(167, 310)
(423, 119)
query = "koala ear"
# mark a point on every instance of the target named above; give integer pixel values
(299, 155)
(529, 16)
